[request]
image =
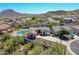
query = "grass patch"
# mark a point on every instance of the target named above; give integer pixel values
(54, 49)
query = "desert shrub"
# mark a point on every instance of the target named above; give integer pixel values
(2, 52)
(28, 46)
(63, 32)
(8, 46)
(57, 48)
(61, 21)
(18, 53)
(19, 40)
(37, 50)
(6, 36)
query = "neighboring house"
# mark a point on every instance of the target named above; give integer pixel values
(53, 20)
(2, 21)
(55, 29)
(75, 29)
(4, 27)
(24, 27)
(39, 25)
(69, 20)
(21, 20)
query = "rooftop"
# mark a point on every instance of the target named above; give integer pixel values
(57, 28)
(4, 26)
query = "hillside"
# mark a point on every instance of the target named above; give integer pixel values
(12, 13)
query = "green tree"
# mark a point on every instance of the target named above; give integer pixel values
(6, 36)
(63, 32)
(8, 46)
(27, 23)
(33, 18)
(50, 24)
(19, 40)
(61, 21)
(16, 27)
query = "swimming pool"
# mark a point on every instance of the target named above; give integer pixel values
(19, 33)
(22, 32)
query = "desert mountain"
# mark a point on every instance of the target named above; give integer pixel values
(12, 13)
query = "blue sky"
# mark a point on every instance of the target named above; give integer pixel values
(38, 7)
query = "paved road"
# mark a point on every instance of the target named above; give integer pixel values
(54, 39)
(75, 47)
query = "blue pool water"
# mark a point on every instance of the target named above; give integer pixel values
(22, 32)
(19, 33)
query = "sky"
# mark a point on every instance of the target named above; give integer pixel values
(37, 8)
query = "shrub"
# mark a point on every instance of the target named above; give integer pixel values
(58, 48)
(6, 36)
(63, 32)
(37, 50)
(27, 46)
(8, 46)
(19, 40)
(18, 53)
(61, 21)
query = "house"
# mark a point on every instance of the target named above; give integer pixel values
(24, 27)
(75, 29)
(66, 37)
(55, 29)
(5, 28)
(44, 31)
(53, 20)
(69, 20)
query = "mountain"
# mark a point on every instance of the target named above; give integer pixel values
(12, 13)
(59, 12)
(9, 12)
